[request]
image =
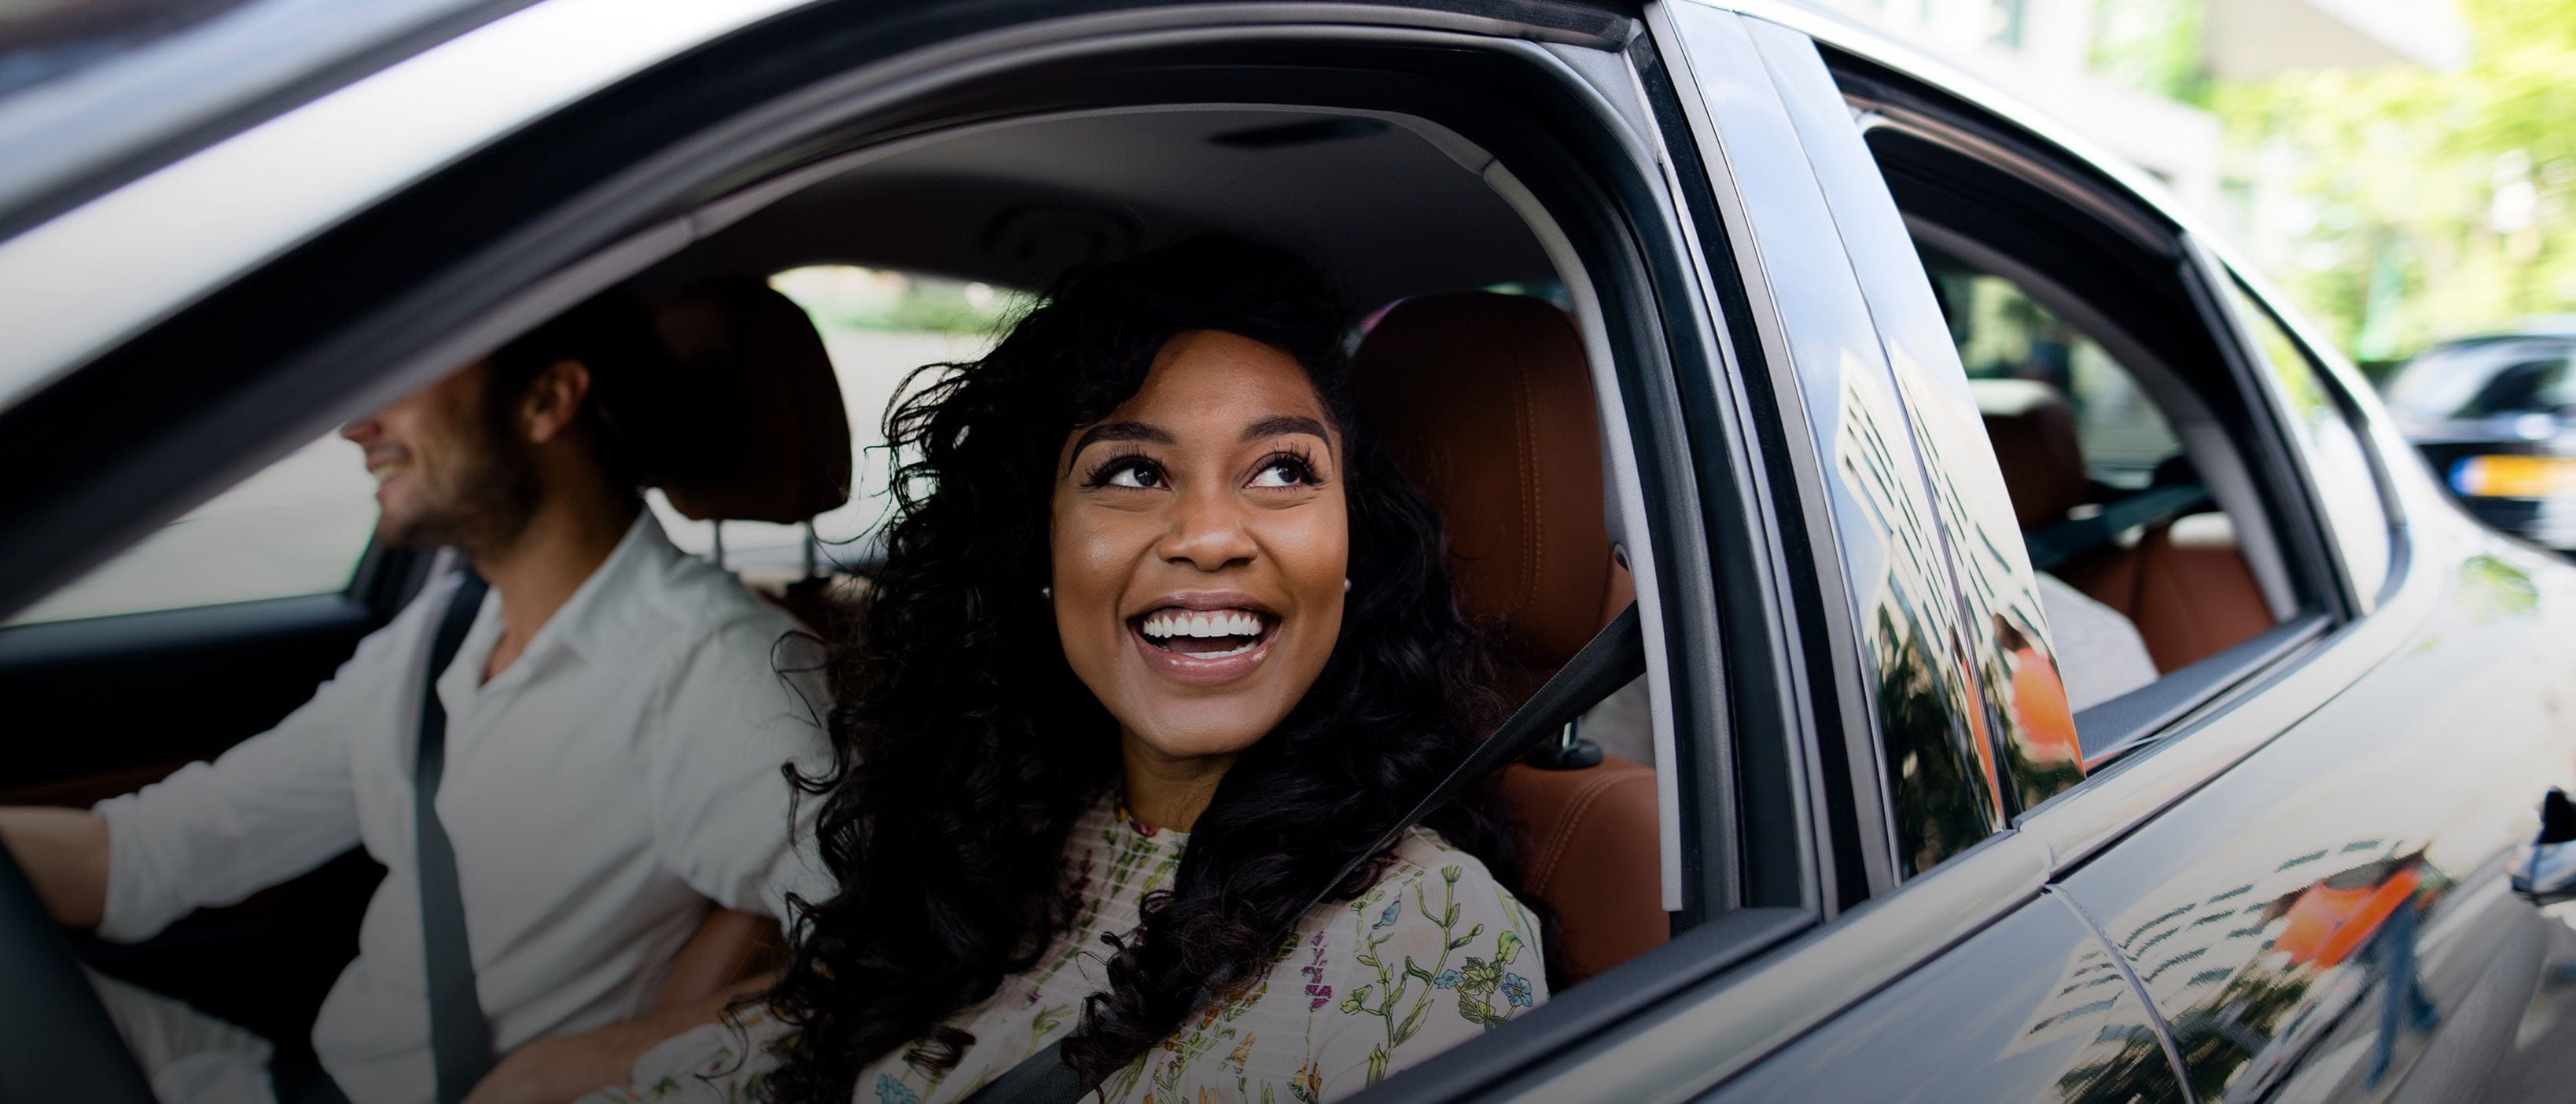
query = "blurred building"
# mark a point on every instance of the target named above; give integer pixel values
(2118, 71)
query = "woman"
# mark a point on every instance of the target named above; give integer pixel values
(1162, 638)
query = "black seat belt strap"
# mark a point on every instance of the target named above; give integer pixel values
(460, 1040)
(2066, 540)
(1614, 658)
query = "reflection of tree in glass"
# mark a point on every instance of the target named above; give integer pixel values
(2224, 1031)
(2491, 588)
(1942, 803)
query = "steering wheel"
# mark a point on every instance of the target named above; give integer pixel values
(60, 1043)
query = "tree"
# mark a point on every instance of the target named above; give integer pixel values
(2421, 204)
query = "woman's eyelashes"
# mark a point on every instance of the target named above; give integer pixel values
(1288, 467)
(1127, 469)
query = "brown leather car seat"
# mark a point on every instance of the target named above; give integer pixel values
(766, 436)
(767, 439)
(1488, 405)
(2184, 583)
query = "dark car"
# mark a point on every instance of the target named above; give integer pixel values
(2061, 683)
(2495, 416)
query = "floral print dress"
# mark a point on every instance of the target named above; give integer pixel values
(1431, 956)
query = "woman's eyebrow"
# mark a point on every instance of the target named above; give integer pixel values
(1278, 424)
(1121, 431)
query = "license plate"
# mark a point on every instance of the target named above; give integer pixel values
(2514, 476)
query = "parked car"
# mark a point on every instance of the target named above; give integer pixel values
(1911, 415)
(2495, 416)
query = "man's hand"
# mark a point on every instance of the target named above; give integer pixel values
(64, 852)
(556, 1070)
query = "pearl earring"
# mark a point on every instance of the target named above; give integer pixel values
(1047, 592)
(1346, 584)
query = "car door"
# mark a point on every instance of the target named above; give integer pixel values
(2168, 921)
(1953, 971)
(2332, 818)
(207, 632)
(2330, 918)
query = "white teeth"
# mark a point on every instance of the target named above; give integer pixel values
(1220, 623)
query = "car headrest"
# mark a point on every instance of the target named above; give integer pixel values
(766, 438)
(2033, 432)
(1487, 404)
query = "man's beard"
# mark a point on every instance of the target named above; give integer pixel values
(484, 505)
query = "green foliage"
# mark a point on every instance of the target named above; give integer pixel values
(2425, 204)
(2153, 46)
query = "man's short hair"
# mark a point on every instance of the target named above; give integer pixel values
(628, 412)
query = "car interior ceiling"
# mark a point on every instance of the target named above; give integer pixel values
(1395, 211)
(2193, 581)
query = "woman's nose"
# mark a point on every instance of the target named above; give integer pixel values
(1207, 532)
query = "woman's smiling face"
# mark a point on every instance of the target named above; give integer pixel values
(1200, 539)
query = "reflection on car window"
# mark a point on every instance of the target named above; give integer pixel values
(878, 326)
(2337, 462)
(2003, 333)
(298, 527)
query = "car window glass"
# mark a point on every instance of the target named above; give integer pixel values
(298, 527)
(2003, 333)
(878, 326)
(2346, 484)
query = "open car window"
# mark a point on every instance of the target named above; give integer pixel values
(298, 527)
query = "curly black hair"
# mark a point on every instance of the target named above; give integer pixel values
(966, 748)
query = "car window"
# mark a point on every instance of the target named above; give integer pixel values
(298, 527)
(2003, 333)
(878, 326)
(2346, 483)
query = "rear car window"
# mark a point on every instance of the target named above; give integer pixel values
(878, 325)
(2341, 468)
(2003, 333)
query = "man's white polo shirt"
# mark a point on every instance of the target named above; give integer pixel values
(623, 771)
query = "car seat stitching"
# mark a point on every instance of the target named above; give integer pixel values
(1562, 840)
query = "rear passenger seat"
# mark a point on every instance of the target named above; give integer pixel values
(2184, 582)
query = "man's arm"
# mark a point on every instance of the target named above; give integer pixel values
(64, 852)
(552, 1071)
(267, 809)
(724, 819)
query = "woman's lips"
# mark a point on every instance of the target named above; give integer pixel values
(1197, 670)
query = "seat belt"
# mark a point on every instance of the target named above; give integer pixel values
(2066, 540)
(460, 1040)
(1614, 658)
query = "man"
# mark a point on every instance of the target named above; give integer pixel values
(615, 720)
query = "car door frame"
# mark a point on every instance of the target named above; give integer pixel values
(1727, 1024)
